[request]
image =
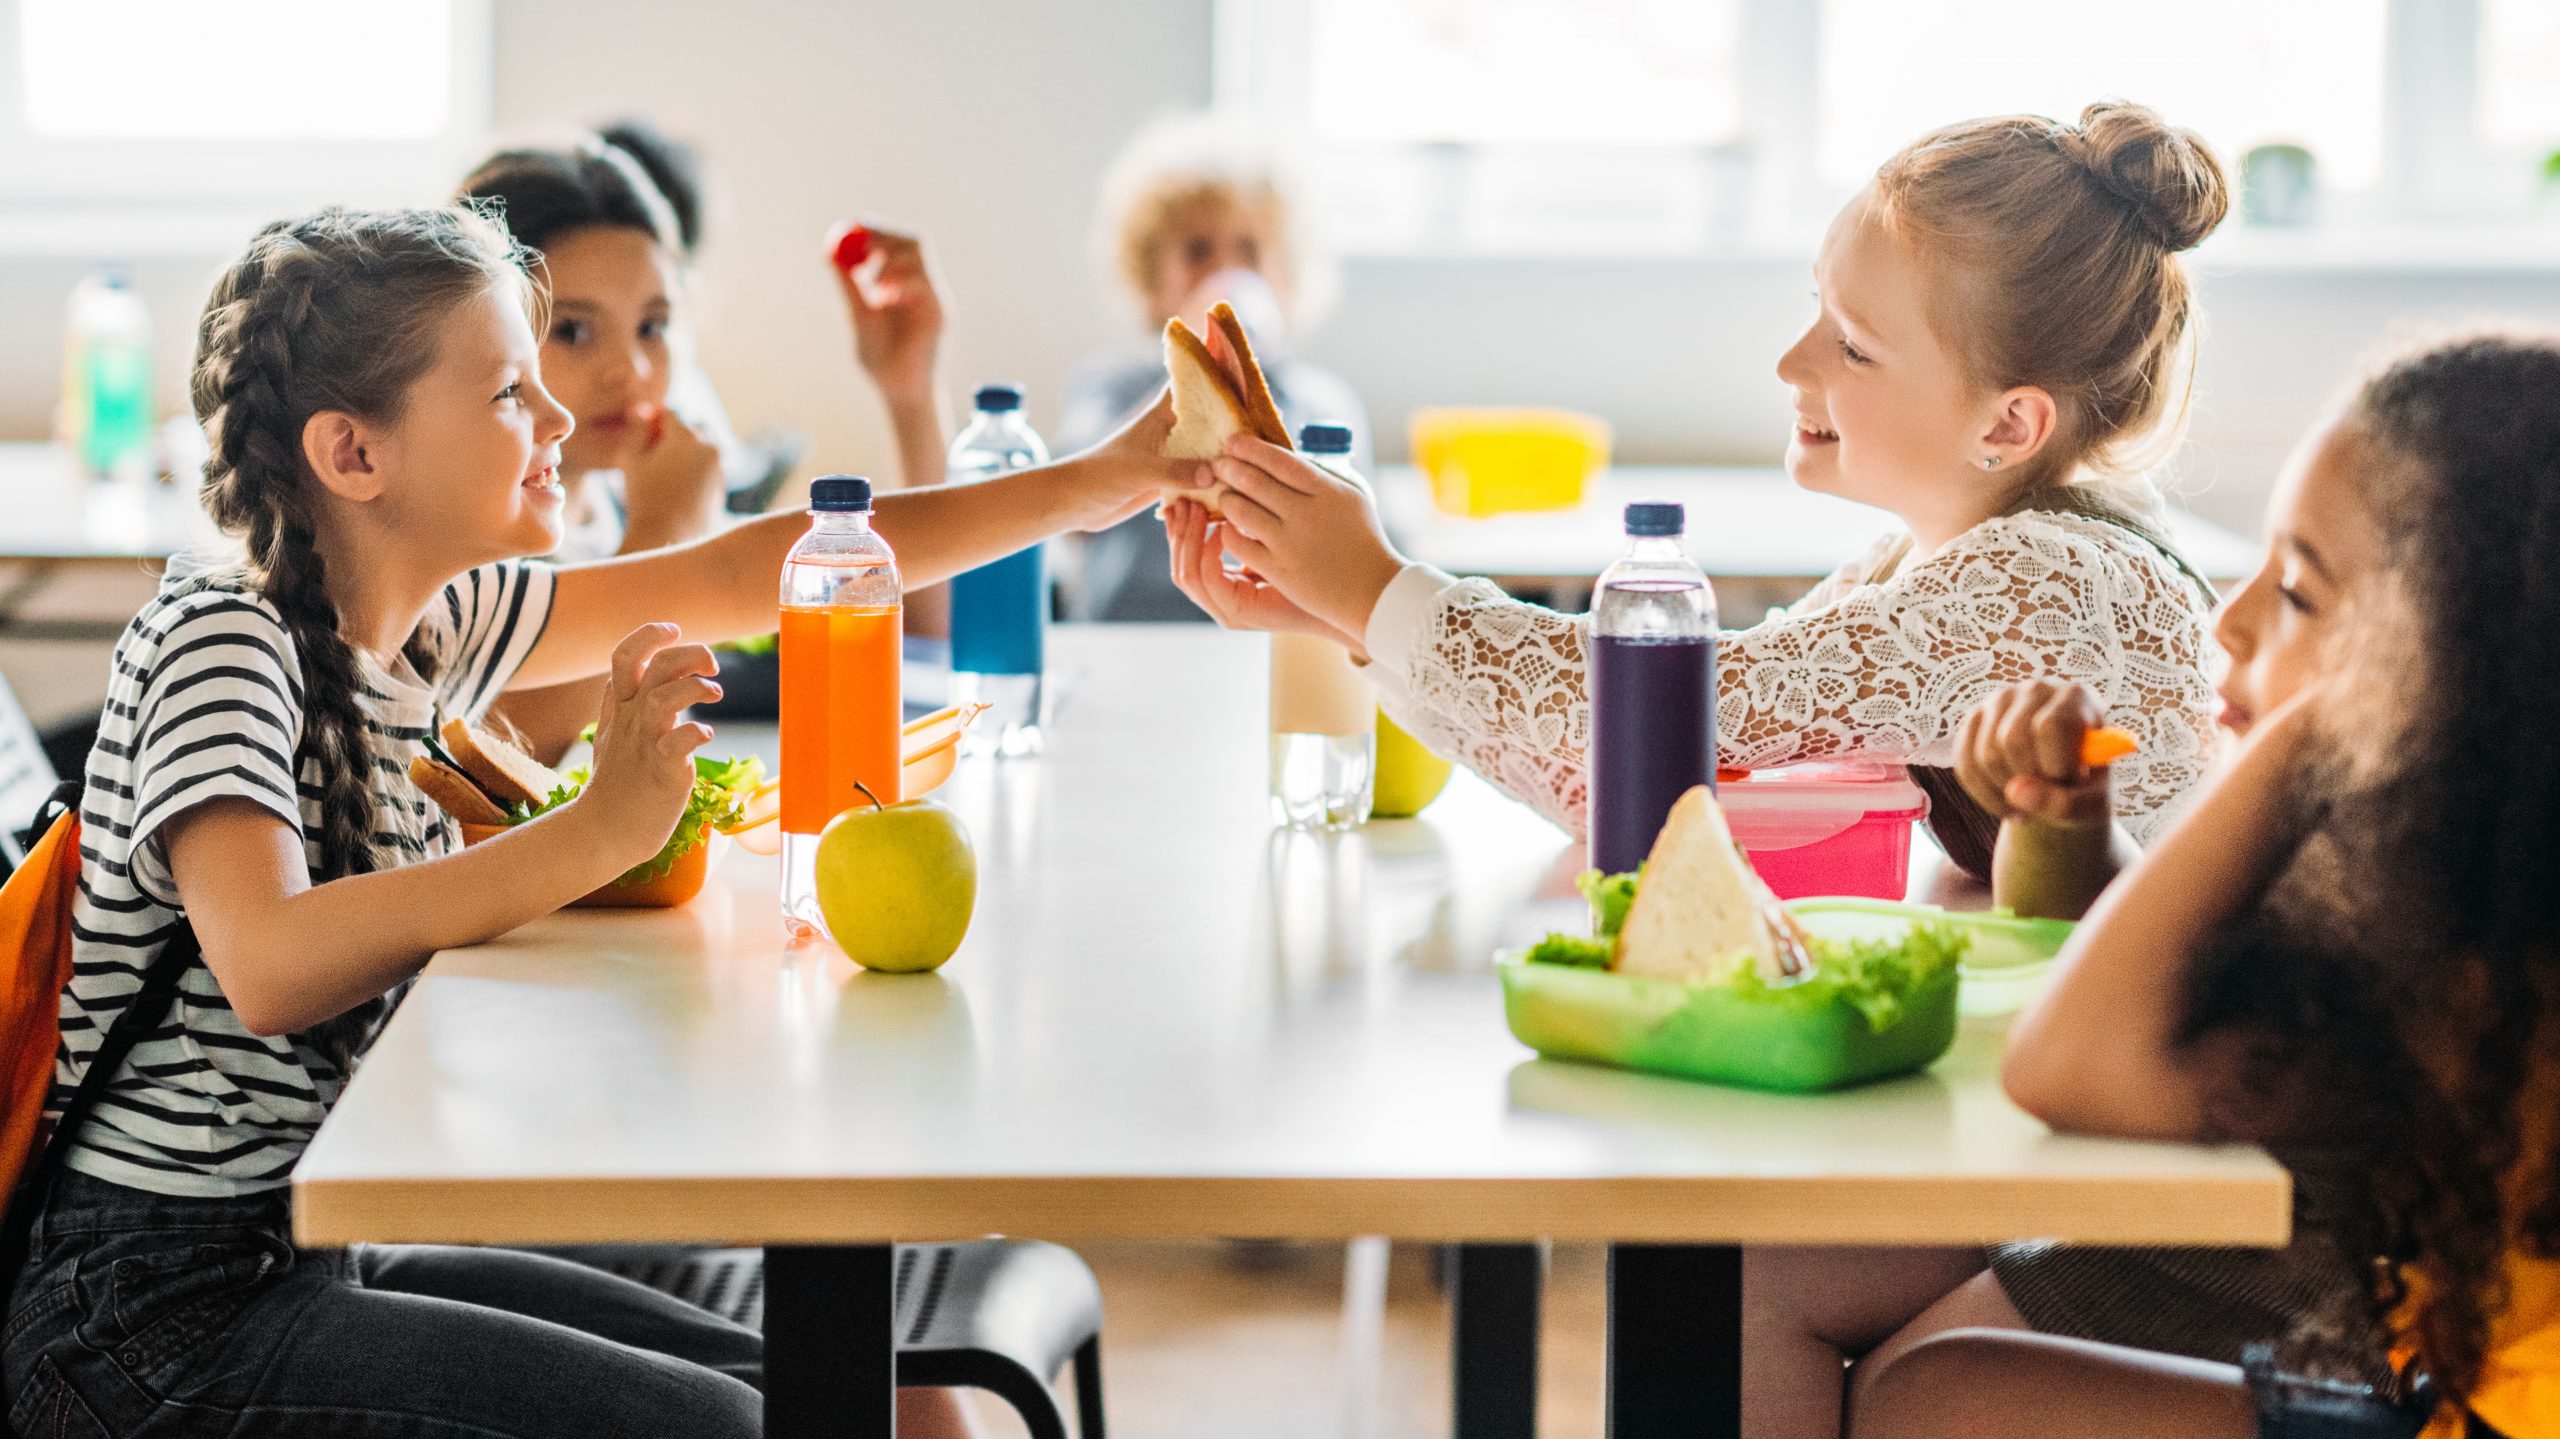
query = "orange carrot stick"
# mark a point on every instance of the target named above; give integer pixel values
(2105, 745)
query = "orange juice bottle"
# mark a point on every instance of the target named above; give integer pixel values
(840, 705)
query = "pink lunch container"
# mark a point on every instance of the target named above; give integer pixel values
(1827, 829)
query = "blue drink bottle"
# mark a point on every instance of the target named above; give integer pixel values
(1000, 611)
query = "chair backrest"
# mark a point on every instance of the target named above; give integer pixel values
(26, 777)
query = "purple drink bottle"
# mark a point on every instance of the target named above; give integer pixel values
(1653, 688)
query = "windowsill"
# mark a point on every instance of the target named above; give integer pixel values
(92, 233)
(2499, 248)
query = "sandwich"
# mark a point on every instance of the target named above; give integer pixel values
(1218, 392)
(485, 782)
(1702, 915)
(1696, 914)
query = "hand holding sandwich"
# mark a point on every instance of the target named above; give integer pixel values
(1236, 598)
(1306, 533)
(1316, 558)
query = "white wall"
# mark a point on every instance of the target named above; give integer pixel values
(1678, 355)
(988, 121)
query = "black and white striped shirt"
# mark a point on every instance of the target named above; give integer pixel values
(205, 702)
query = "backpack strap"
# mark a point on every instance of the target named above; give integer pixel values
(149, 1006)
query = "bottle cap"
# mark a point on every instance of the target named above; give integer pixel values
(1325, 439)
(840, 494)
(1656, 517)
(999, 397)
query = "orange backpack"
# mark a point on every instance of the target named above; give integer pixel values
(35, 964)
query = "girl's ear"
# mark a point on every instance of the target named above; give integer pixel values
(2022, 420)
(334, 444)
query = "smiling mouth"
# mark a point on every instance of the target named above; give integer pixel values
(1813, 434)
(546, 479)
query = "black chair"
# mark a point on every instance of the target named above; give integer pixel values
(1001, 1315)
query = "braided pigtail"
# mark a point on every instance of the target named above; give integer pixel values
(332, 312)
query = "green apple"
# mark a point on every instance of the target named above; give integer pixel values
(897, 884)
(1409, 776)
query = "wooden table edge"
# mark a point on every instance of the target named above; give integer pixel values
(2245, 1210)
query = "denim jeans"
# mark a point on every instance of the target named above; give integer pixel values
(142, 1315)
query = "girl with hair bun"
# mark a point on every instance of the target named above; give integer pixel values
(2002, 346)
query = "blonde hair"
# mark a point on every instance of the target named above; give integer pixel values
(2065, 241)
(1180, 165)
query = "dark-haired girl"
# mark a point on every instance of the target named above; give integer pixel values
(385, 454)
(2347, 950)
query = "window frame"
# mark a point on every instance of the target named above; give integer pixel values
(51, 174)
(2440, 173)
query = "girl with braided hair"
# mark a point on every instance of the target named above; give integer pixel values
(385, 454)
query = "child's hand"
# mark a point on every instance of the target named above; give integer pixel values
(1126, 472)
(1237, 599)
(644, 759)
(676, 487)
(1310, 533)
(2018, 754)
(897, 314)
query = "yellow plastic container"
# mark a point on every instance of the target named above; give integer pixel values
(1491, 462)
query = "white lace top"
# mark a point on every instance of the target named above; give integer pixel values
(1884, 670)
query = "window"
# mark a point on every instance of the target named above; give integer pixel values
(261, 102)
(2239, 72)
(1558, 72)
(1586, 124)
(2520, 72)
(1717, 125)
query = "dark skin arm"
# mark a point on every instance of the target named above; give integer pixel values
(2095, 1052)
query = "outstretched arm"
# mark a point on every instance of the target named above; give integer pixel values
(724, 587)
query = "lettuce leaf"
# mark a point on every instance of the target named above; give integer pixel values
(1610, 896)
(1876, 977)
(1572, 950)
(721, 788)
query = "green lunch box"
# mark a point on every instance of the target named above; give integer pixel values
(1764, 1040)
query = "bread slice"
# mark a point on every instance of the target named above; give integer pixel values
(1232, 351)
(453, 791)
(1218, 391)
(503, 772)
(1698, 917)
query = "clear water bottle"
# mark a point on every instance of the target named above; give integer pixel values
(1324, 717)
(841, 722)
(1653, 688)
(106, 415)
(1000, 611)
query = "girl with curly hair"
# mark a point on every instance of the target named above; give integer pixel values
(2345, 951)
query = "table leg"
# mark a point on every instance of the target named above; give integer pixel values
(830, 1350)
(1493, 1323)
(1675, 1341)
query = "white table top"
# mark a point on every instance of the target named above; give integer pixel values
(52, 515)
(1168, 1021)
(1744, 524)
